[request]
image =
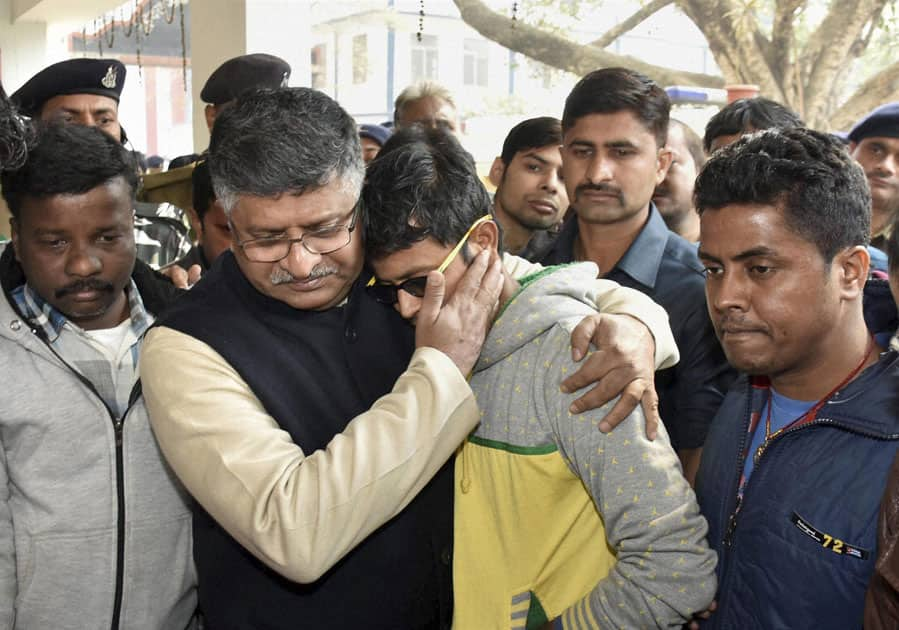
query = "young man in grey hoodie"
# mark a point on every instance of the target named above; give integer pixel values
(556, 523)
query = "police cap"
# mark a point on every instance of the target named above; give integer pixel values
(375, 132)
(882, 122)
(243, 73)
(104, 77)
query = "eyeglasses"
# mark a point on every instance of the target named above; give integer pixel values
(324, 241)
(387, 293)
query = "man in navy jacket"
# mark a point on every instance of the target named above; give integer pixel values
(797, 456)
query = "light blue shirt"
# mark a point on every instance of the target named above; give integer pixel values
(785, 411)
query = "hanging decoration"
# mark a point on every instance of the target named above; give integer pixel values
(110, 33)
(421, 19)
(126, 33)
(514, 13)
(145, 25)
(183, 43)
(137, 33)
(142, 16)
(99, 37)
(169, 17)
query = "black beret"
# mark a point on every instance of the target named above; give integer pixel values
(104, 77)
(243, 73)
(882, 122)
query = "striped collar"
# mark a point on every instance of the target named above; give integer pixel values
(41, 314)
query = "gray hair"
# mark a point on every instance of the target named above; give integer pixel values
(418, 91)
(290, 140)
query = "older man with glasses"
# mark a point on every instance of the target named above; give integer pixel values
(298, 411)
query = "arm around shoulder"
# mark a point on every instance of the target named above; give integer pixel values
(610, 297)
(298, 513)
(665, 571)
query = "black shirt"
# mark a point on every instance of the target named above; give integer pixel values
(666, 267)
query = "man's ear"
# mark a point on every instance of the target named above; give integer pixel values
(485, 236)
(195, 223)
(665, 158)
(851, 265)
(210, 113)
(496, 171)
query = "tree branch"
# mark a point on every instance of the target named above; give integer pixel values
(782, 38)
(883, 87)
(830, 46)
(630, 23)
(734, 41)
(563, 53)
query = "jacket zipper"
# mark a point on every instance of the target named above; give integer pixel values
(744, 435)
(118, 430)
(731, 526)
(120, 537)
(732, 521)
(757, 456)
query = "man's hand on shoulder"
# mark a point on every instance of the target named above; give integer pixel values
(458, 327)
(623, 364)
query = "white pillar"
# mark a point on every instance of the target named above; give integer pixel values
(221, 29)
(23, 48)
(217, 32)
(282, 28)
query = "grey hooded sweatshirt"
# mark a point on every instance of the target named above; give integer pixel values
(555, 520)
(93, 524)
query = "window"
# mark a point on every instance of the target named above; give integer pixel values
(360, 58)
(475, 63)
(424, 58)
(319, 67)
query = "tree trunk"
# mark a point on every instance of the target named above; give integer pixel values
(806, 79)
(563, 53)
(882, 88)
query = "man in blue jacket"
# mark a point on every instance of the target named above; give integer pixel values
(797, 456)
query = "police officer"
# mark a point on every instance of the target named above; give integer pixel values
(874, 143)
(76, 91)
(86, 92)
(238, 75)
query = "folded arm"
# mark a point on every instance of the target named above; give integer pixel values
(610, 297)
(633, 339)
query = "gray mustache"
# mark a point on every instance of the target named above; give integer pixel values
(280, 276)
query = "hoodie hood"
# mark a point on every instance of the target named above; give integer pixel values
(544, 300)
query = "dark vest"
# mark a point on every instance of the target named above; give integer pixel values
(313, 372)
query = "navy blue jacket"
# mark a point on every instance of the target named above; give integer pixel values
(801, 550)
(314, 371)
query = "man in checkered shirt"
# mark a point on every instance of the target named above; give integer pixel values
(94, 529)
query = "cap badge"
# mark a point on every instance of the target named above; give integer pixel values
(110, 79)
(284, 79)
